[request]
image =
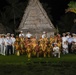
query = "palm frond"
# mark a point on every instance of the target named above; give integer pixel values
(71, 7)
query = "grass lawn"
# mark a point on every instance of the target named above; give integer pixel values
(21, 65)
(13, 59)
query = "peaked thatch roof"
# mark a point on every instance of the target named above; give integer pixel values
(35, 19)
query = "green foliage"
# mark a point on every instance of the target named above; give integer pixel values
(15, 8)
(16, 60)
(12, 13)
(72, 4)
(4, 18)
(71, 7)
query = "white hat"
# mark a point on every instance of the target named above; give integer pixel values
(68, 32)
(12, 34)
(63, 34)
(3, 34)
(8, 33)
(44, 32)
(21, 31)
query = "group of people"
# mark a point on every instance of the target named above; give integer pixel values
(42, 47)
(7, 44)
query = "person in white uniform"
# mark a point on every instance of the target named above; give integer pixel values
(56, 51)
(44, 34)
(3, 45)
(21, 34)
(9, 46)
(13, 41)
(0, 43)
(65, 48)
(74, 37)
(28, 35)
(64, 38)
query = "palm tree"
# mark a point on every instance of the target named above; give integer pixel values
(71, 7)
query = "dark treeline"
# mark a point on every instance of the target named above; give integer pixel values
(11, 13)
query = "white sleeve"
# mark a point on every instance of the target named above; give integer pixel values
(19, 35)
(53, 49)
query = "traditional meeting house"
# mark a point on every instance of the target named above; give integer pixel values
(35, 20)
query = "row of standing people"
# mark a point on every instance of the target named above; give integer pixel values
(52, 46)
(69, 43)
(7, 44)
(37, 47)
(66, 42)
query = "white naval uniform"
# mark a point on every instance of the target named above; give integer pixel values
(21, 34)
(56, 51)
(13, 41)
(65, 48)
(28, 35)
(0, 44)
(43, 35)
(3, 46)
(9, 46)
(64, 39)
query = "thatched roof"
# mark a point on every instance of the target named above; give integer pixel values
(35, 19)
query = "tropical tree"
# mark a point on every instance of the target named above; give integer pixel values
(66, 22)
(14, 11)
(71, 7)
(3, 18)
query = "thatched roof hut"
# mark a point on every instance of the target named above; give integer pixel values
(35, 19)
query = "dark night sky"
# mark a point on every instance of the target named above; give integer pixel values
(57, 7)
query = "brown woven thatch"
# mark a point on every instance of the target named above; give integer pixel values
(35, 19)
